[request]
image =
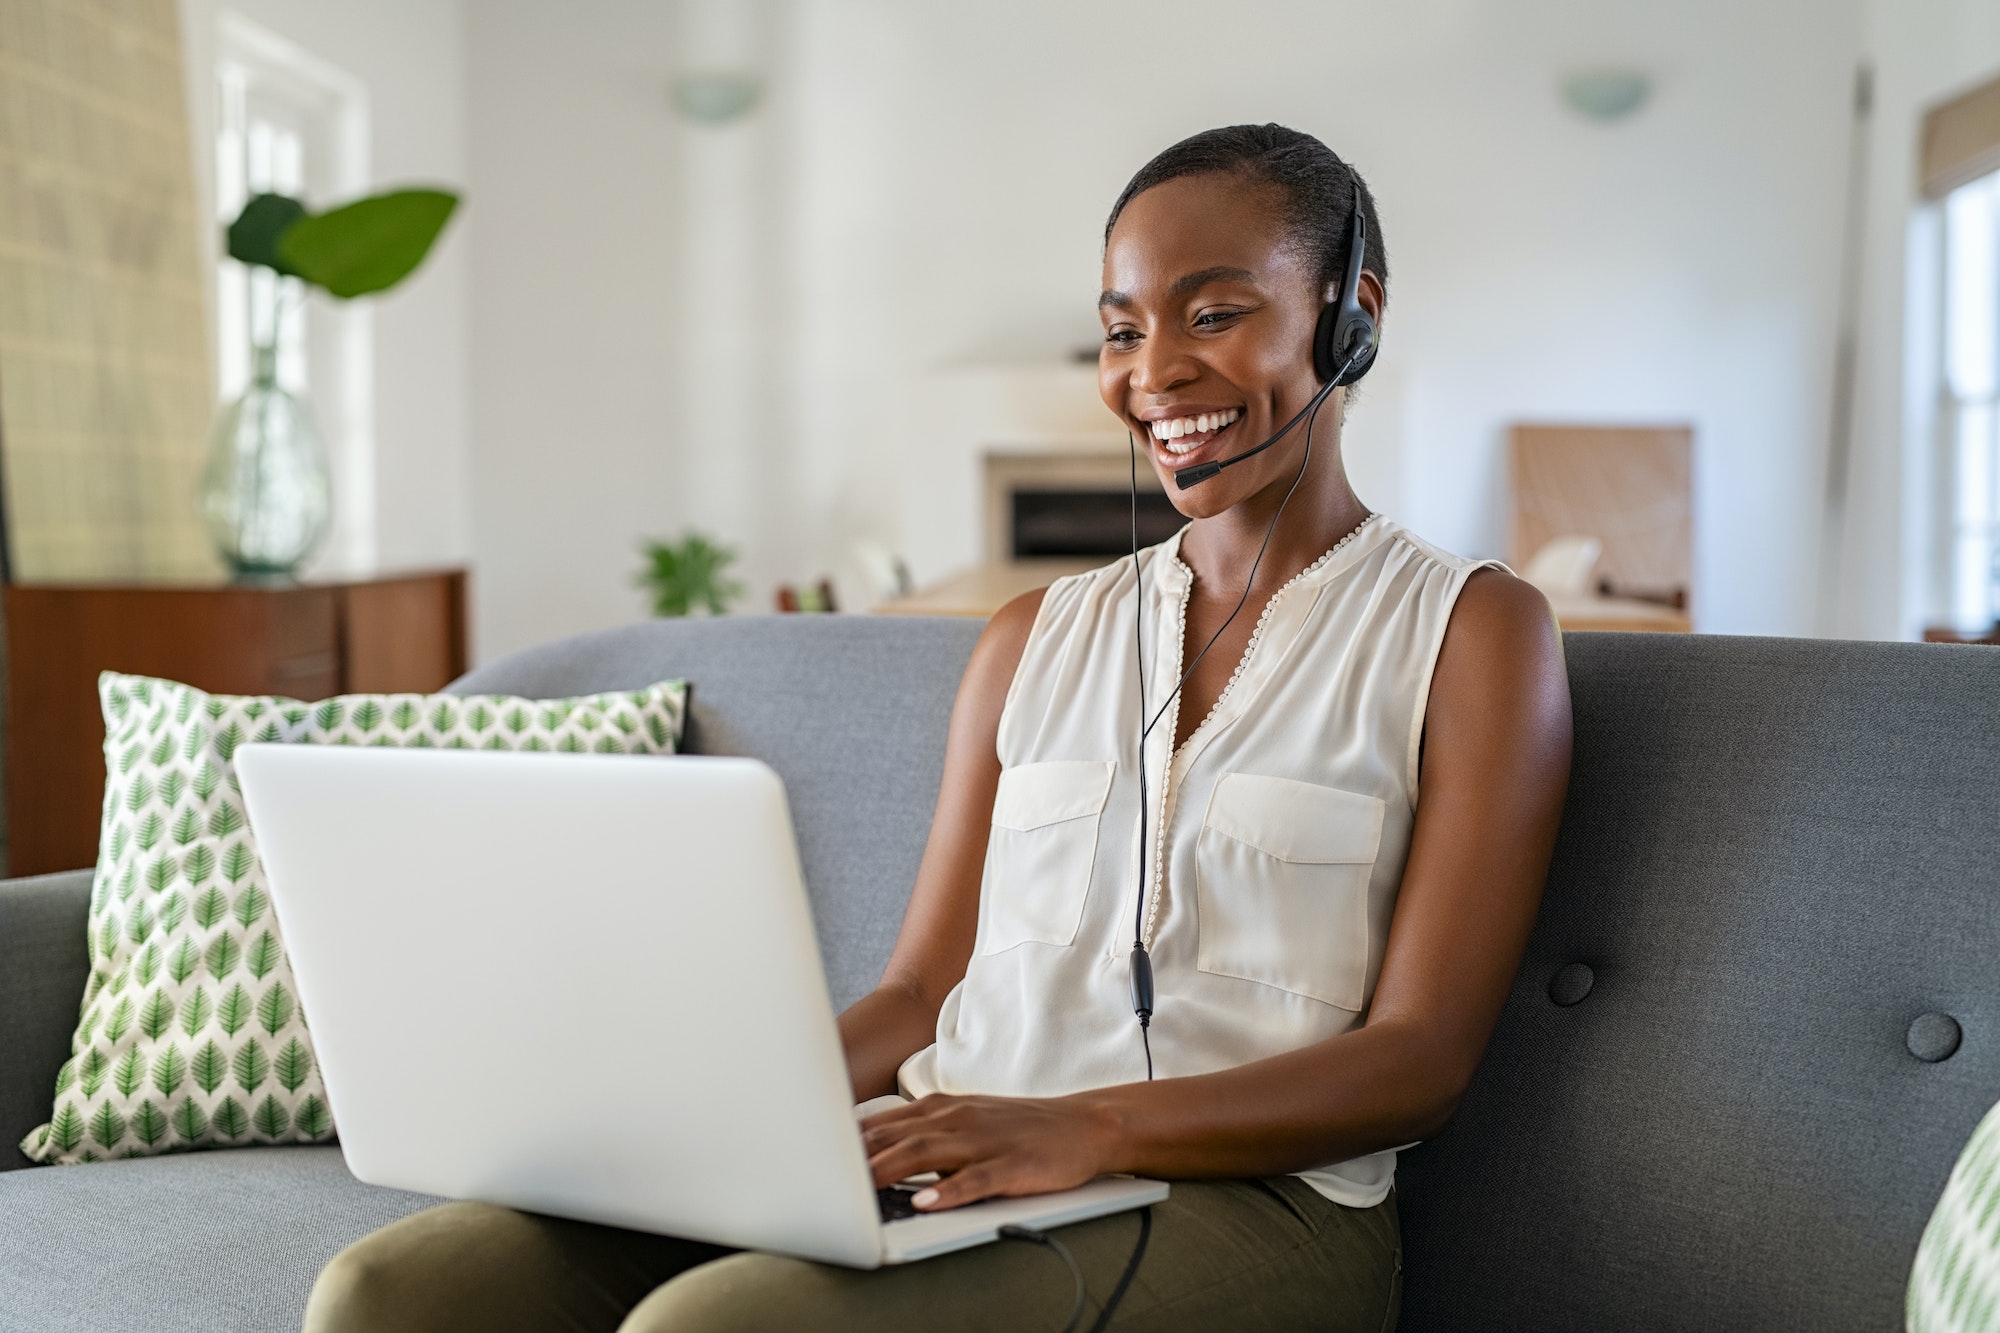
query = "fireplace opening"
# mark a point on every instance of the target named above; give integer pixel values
(1078, 522)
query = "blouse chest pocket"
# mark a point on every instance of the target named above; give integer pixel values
(1282, 872)
(1040, 853)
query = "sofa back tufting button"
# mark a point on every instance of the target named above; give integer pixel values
(1571, 983)
(1933, 1037)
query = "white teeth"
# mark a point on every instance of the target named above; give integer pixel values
(1200, 424)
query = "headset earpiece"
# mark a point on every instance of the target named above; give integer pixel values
(1345, 324)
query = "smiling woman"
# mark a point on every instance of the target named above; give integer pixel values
(1316, 957)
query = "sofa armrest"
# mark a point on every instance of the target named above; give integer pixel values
(44, 964)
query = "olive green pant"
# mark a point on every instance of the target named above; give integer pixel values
(1223, 1254)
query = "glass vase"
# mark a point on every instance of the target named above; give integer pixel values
(266, 493)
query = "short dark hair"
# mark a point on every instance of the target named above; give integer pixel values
(1320, 191)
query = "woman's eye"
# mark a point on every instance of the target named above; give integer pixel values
(1121, 337)
(1211, 318)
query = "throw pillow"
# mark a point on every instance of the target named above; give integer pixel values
(1955, 1283)
(190, 1034)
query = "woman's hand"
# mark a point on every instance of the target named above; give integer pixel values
(984, 1147)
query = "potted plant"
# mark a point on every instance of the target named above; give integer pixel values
(266, 492)
(687, 576)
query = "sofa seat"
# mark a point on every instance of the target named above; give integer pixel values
(188, 1242)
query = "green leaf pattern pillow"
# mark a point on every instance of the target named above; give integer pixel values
(190, 1034)
(1955, 1283)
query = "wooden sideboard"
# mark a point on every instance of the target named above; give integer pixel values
(308, 640)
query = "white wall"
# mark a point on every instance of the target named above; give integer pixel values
(767, 330)
(410, 57)
(619, 312)
(934, 179)
(1924, 52)
(1680, 266)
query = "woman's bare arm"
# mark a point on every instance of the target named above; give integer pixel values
(1495, 768)
(899, 1017)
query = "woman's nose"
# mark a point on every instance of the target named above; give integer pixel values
(1162, 364)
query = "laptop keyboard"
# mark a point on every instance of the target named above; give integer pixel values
(895, 1202)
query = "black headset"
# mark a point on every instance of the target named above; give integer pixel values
(1346, 332)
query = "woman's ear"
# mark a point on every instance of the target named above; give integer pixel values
(1372, 297)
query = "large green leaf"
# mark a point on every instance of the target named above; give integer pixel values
(369, 245)
(254, 236)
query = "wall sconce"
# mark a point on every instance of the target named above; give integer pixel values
(715, 97)
(1605, 95)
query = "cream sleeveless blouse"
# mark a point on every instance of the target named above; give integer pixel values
(1280, 830)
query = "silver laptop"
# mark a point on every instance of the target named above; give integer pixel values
(586, 985)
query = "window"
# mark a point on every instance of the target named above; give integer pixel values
(1969, 410)
(289, 123)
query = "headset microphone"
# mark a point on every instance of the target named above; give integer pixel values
(1344, 342)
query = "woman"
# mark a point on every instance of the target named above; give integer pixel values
(1330, 955)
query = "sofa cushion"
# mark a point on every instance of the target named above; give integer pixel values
(43, 967)
(1760, 1010)
(215, 1242)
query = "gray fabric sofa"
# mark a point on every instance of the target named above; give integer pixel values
(1758, 1017)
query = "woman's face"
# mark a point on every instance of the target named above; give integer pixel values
(1208, 314)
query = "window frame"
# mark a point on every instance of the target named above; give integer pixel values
(329, 356)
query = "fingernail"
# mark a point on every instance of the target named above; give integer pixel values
(924, 1198)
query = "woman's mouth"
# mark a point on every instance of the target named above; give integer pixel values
(1180, 436)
